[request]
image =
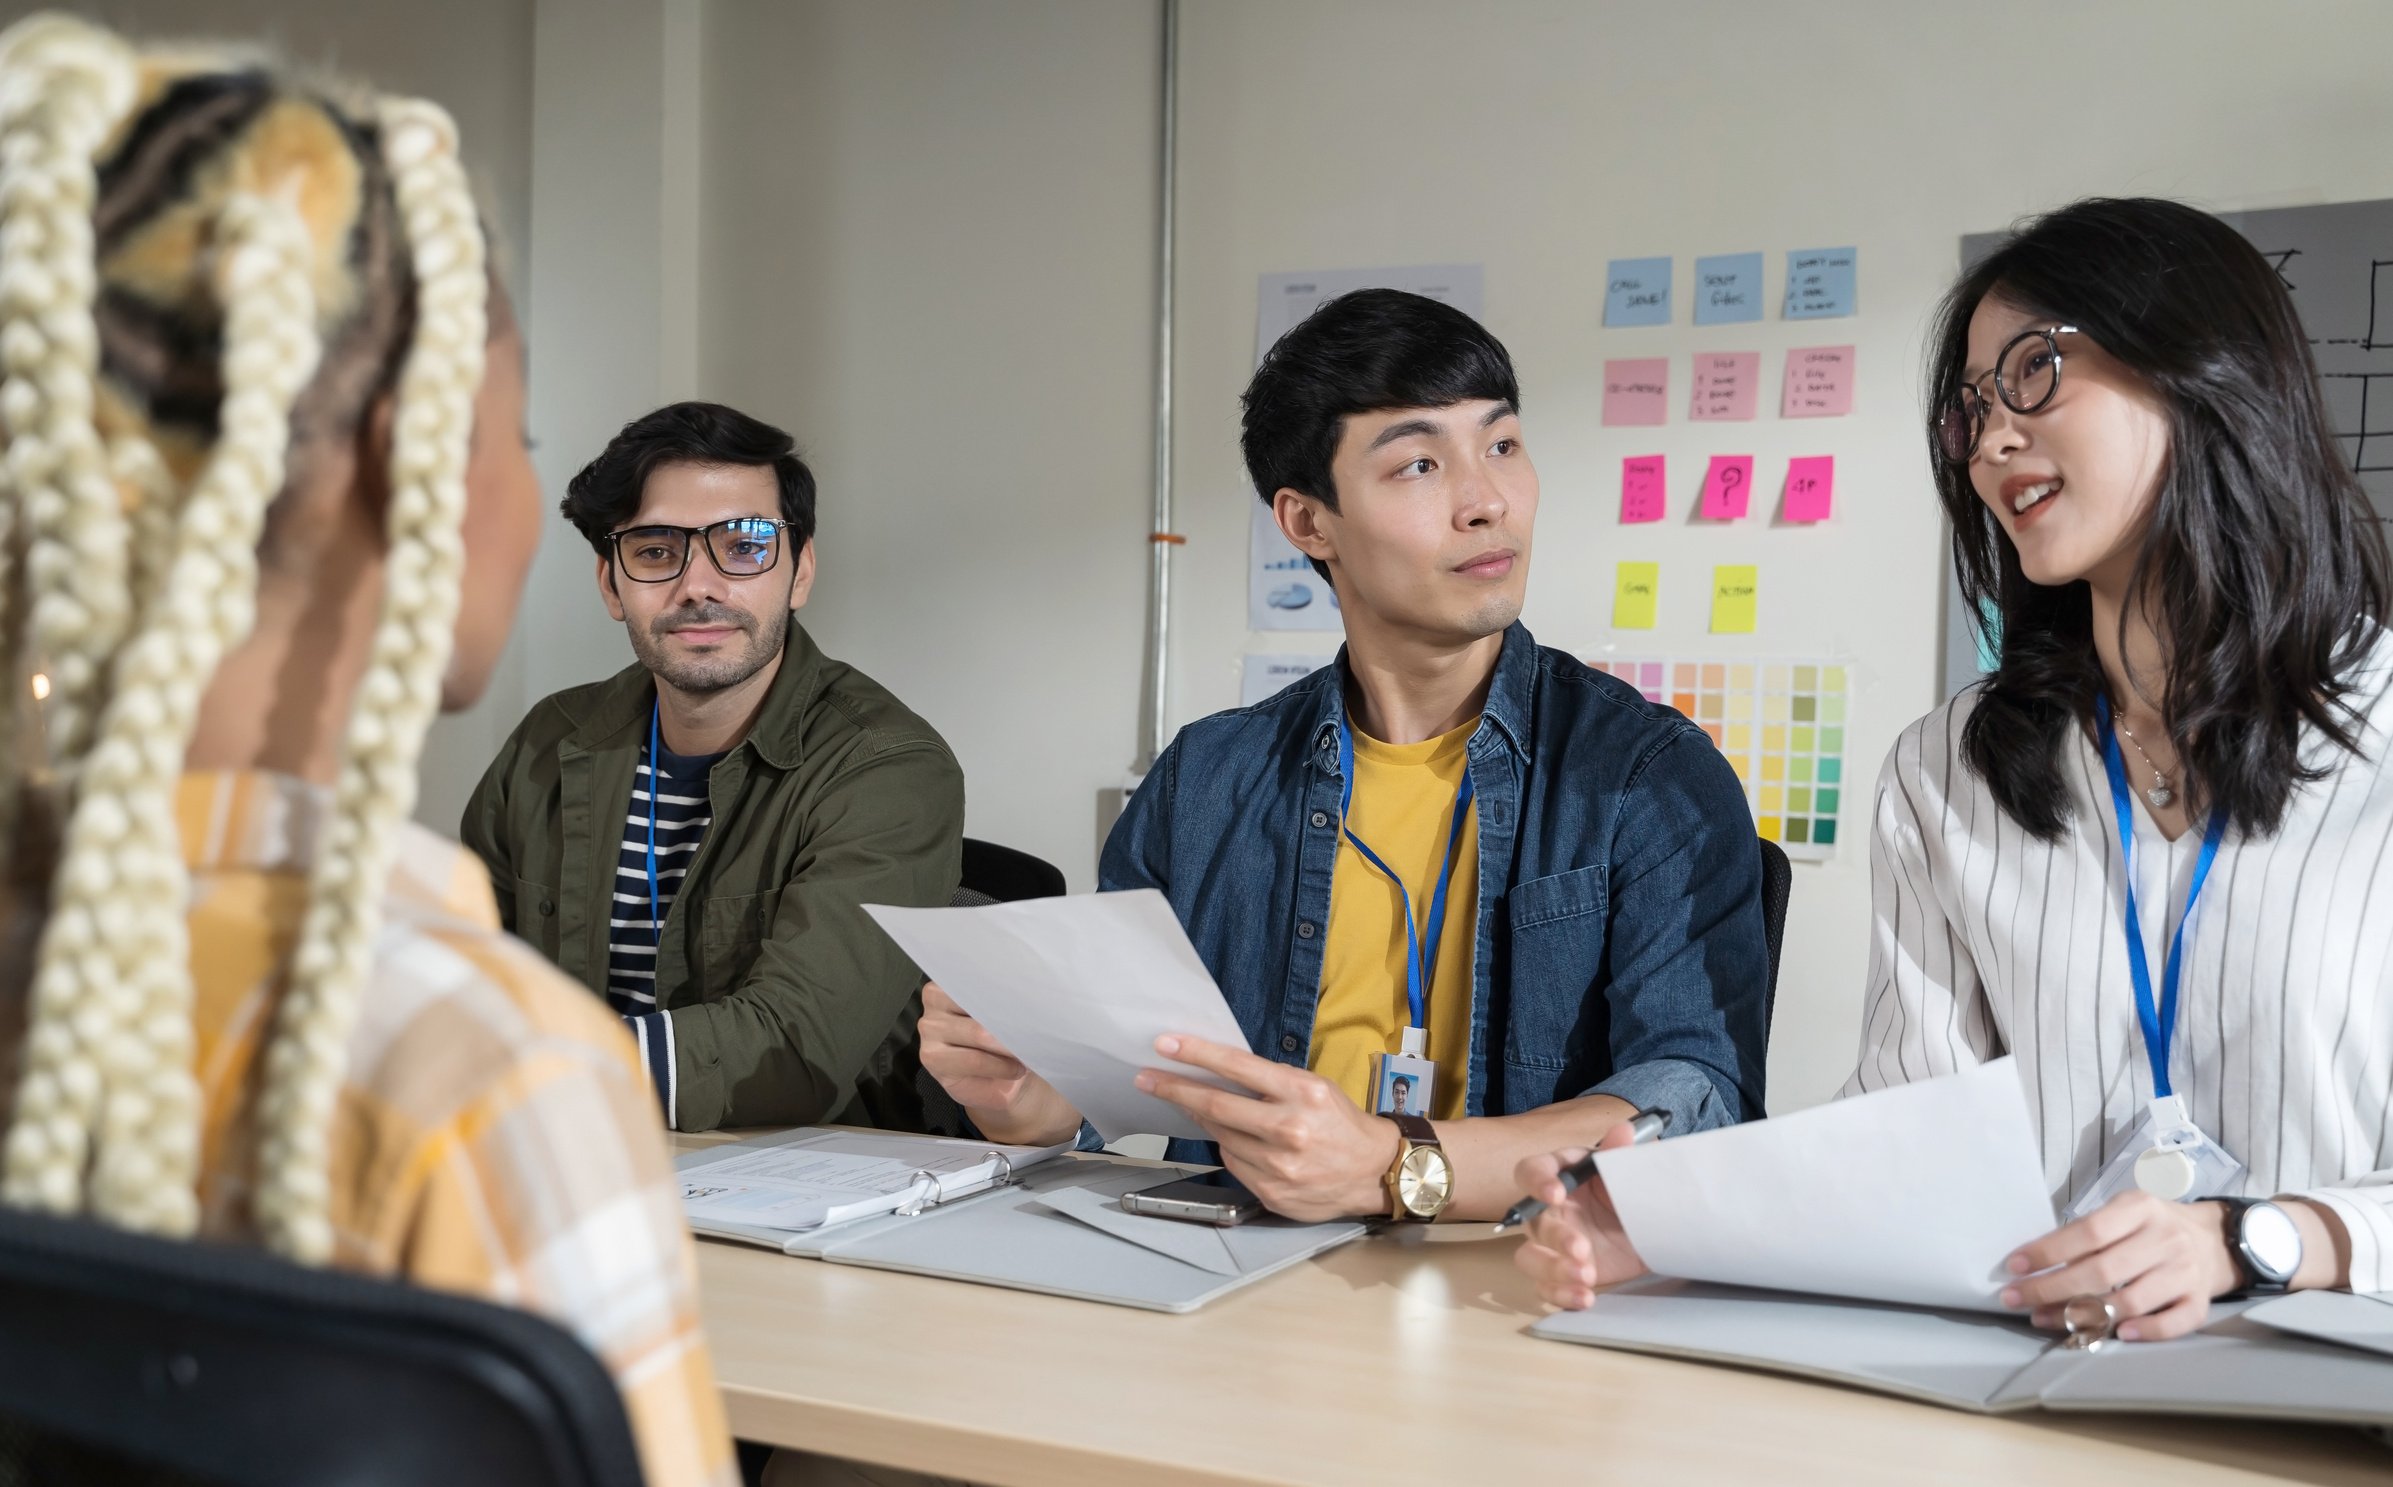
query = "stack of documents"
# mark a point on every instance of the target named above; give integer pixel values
(796, 1181)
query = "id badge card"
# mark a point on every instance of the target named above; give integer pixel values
(1402, 1084)
(2166, 1155)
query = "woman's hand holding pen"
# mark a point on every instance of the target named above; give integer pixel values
(1577, 1244)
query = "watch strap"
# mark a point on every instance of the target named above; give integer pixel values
(1415, 1129)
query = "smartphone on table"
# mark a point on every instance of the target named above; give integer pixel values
(1207, 1198)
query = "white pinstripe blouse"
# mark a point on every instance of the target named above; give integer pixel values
(1986, 941)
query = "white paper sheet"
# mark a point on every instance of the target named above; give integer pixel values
(829, 1177)
(1916, 1194)
(1079, 989)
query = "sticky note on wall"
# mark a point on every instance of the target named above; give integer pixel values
(1819, 383)
(1637, 292)
(1726, 386)
(1727, 487)
(1644, 490)
(1810, 487)
(1734, 602)
(1820, 283)
(1635, 594)
(1728, 288)
(1637, 392)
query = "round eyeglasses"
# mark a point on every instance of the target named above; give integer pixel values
(2026, 376)
(741, 547)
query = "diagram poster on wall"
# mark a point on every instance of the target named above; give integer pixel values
(1779, 723)
(2337, 263)
(1282, 590)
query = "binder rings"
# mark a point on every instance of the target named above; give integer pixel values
(2239, 1365)
(1058, 1229)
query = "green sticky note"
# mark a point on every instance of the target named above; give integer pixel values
(1635, 593)
(1734, 598)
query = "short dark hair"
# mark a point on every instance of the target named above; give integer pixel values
(1362, 352)
(606, 494)
(2275, 563)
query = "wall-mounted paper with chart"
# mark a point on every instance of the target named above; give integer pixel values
(1819, 383)
(1728, 289)
(1735, 598)
(1077, 988)
(1635, 595)
(1726, 384)
(1637, 292)
(1282, 590)
(1810, 487)
(1915, 1194)
(1283, 300)
(1265, 674)
(1727, 487)
(1636, 392)
(1819, 283)
(1644, 490)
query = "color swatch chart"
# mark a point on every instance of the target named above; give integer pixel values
(1781, 726)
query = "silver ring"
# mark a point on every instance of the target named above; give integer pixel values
(1005, 1169)
(2091, 1321)
(914, 1206)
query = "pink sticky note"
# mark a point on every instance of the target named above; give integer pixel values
(1636, 392)
(1819, 383)
(1643, 490)
(1727, 384)
(1727, 486)
(1810, 483)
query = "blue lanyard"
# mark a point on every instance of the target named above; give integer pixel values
(2160, 1023)
(1419, 968)
(656, 921)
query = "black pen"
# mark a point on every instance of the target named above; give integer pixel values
(1643, 1126)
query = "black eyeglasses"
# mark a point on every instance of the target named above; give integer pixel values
(742, 547)
(2026, 376)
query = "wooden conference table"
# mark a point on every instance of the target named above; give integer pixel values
(1399, 1358)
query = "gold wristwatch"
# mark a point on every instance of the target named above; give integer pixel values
(1421, 1182)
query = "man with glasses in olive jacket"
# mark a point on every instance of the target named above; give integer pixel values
(694, 836)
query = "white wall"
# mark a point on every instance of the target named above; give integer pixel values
(927, 241)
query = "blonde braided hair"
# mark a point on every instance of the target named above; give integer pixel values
(107, 1114)
(401, 691)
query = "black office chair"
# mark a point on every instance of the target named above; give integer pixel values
(231, 1367)
(1778, 880)
(1002, 875)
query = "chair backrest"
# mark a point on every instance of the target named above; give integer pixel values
(1778, 880)
(1002, 875)
(231, 1366)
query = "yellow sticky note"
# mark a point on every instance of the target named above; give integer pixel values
(1733, 590)
(1634, 595)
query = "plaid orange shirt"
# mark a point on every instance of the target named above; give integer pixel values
(494, 1137)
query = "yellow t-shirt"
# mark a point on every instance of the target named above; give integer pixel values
(1404, 807)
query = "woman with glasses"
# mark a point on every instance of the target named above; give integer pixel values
(2141, 856)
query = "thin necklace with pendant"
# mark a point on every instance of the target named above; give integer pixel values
(2160, 794)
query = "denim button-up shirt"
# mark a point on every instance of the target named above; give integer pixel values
(1619, 924)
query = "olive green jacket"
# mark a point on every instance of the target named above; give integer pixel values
(789, 1005)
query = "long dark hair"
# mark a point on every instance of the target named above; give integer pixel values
(2269, 559)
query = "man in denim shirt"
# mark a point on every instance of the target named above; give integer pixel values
(1604, 952)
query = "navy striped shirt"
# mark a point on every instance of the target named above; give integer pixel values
(682, 816)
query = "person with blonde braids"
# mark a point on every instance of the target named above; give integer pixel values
(261, 399)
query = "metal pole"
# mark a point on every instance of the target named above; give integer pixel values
(1161, 539)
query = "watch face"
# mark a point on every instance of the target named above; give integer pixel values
(2272, 1241)
(1424, 1182)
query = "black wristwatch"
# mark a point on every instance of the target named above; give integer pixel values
(2266, 1244)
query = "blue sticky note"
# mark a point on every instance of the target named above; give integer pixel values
(1819, 283)
(1728, 288)
(1637, 292)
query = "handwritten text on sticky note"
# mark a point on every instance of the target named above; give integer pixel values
(1637, 392)
(1728, 288)
(1726, 386)
(1810, 485)
(1727, 486)
(1819, 383)
(1819, 283)
(1635, 594)
(1637, 292)
(1735, 588)
(1644, 491)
